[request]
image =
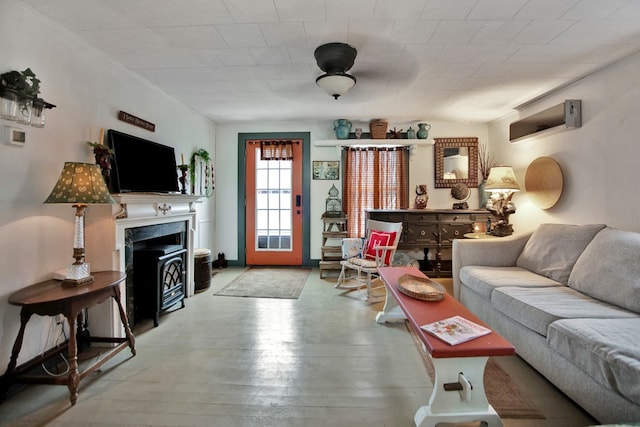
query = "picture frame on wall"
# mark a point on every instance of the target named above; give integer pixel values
(323, 169)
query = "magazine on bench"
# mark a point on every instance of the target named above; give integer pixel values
(456, 330)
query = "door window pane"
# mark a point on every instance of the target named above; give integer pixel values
(273, 204)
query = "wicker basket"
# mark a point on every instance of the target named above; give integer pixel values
(421, 288)
(378, 129)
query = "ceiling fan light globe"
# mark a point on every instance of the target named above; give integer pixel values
(336, 84)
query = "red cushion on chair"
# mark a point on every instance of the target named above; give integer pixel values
(380, 238)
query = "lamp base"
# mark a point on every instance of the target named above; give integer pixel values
(78, 275)
(502, 230)
(77, 282)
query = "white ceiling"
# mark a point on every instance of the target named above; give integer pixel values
(460, 60)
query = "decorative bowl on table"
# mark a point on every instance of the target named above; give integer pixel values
(421, 288)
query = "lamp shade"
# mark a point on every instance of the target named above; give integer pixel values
(502, 179)
(336, 84)
(80, 183)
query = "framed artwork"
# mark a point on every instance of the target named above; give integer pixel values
(326, 169)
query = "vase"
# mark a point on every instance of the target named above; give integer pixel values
(342, 128)
(423, 130)
(483, 196)
(23, 114)
(8, 104)
(411, 133)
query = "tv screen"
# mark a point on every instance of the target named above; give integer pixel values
(141, 166)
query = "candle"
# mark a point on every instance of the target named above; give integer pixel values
(182, 157)
(101, 140)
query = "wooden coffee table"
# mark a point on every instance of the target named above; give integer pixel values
(458, 390)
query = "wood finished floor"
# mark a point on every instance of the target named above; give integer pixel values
(320, 360)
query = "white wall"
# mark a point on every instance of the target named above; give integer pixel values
(89, 89)
(421, 172)
(599, 160)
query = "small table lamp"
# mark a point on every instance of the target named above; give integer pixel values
(502, 184)
(81, 184)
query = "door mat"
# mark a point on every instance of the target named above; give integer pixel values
(503, 394)
(267, 282)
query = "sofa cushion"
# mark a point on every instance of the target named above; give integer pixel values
(606, 349)
(537, 308)
(553, 249)
(483, 280)
(609, 269)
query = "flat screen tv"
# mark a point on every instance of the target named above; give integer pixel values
(141, 166)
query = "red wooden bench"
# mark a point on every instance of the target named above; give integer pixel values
(458, 390)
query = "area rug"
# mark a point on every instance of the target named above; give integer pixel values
(503, 394)
(267, 282)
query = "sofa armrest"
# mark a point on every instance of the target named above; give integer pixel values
(502, 252)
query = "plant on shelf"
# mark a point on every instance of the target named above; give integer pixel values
(24, 87)
(24, 83)
(206, 175)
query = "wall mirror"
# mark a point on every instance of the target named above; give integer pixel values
(456, 162)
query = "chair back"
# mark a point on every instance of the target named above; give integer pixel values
(389, 227)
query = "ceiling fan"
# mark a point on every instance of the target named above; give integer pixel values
(335, 59)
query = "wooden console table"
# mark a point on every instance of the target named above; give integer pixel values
(458, 390)
(50, 298)
(432, 229)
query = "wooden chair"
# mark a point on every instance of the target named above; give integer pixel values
(378, 251)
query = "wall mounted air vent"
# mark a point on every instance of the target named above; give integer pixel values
(562, 116)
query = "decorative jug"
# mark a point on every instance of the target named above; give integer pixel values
(411, 133)
(342, 128)
(423, 130)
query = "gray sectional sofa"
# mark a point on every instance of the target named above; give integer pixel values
(568, 299)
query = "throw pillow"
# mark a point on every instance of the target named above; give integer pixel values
(380, 238)
(608, 269)
(553, 249)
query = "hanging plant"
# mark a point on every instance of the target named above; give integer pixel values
(206, 175)
(102, 154)
(24, 84)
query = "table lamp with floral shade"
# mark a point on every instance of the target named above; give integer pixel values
(79, 184)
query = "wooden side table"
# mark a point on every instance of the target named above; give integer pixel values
(480, 236)
(50, 298)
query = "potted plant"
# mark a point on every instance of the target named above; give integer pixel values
(19, 91)
(485, 163)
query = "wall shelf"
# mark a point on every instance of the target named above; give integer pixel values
(367, 141)
(567, 115)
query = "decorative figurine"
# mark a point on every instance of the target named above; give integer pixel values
(421, 196)
(183, 178)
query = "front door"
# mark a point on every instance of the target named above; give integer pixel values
(273, 206)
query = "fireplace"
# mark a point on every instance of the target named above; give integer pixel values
(150, 221)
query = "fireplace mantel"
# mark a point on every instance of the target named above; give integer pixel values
(149, 205)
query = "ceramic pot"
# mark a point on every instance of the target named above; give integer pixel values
(423, 130)
(411, 133)
(342, 128)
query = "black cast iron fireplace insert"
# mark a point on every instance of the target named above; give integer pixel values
(156, 265)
